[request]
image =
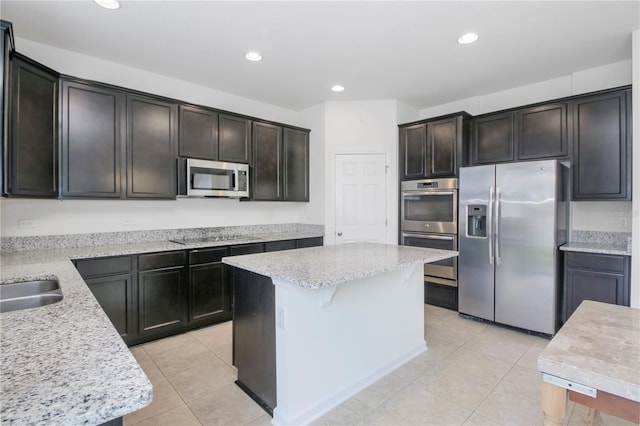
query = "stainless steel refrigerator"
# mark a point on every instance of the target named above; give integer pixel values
(513, 218)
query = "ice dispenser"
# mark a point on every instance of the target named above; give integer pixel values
(477, 220)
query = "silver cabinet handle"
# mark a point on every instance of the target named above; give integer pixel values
(490, 225)
(339, 234)
(498, 225)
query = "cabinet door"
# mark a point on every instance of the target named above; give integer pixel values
(267, 162)
(413, 152)
(162, 300)
(115, 296)
(151, 148)
(198, 133)
(295, 165)
(443, 141)
(209, 293)
(492, 140)
(91, 141)
(582, 285)
(6, 46)
(601, 148)
(33, 129)
(542, 132)
(235, 139)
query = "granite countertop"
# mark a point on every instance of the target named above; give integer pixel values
(319, 267)
(606, 248)
(599, 346)
(64, 363)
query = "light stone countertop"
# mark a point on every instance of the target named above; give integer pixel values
(599, 346)
(599, 248)
(64, 363)
(319, 267)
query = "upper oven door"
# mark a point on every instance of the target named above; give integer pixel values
(433, 211)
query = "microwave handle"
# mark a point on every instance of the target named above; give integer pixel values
(234, 181)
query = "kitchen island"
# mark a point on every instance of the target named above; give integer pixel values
(593, 361)
(312, 327)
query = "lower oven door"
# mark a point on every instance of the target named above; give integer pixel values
(446, 268)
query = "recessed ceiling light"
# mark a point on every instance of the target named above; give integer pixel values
(253, 56)
(108, 4)
(337, 88)
(468, 38)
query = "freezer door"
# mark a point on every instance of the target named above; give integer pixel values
(475, 269)
(525, 228)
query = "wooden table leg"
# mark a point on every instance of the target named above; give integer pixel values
(554, 404)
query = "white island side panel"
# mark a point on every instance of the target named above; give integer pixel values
(330, 345)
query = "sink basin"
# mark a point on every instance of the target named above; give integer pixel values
(29, 294)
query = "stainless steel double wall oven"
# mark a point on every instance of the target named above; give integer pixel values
(429, 218)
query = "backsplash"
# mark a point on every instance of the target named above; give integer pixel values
(601, 237)
(43, 242)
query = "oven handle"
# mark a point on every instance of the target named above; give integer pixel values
(429, 237)
(415, 193)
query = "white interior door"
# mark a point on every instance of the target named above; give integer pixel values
(361, 202)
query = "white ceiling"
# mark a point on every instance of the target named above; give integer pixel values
(377, 50)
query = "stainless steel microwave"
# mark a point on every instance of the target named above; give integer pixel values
(205, 178)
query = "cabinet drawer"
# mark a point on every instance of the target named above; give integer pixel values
(247, 249)
(279, 245)
(310, 242)
(599, 262)
(104, 266)
(199, 256)
(161, 260)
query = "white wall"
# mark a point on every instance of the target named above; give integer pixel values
(82, 216)
(594, 216)
(361, 127)
(314, 118)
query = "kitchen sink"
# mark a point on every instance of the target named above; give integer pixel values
(29, 294)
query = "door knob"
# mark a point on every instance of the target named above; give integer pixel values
(339, 234)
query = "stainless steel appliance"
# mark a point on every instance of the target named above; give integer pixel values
(430, 205)
(513, 217)
(430, 219)
(204, 178)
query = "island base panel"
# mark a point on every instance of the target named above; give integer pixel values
(254, 338)
(333, 342)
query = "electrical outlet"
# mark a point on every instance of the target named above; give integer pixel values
(129, 222)
(28, 223)
(623, 222)
(280, 320)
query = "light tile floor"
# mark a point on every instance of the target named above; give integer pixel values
(472, 374)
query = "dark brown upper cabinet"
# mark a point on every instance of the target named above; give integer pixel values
(6, 47)
(432, 148)
(151, 147)
(492, 139)
(93, 120)
(198, 133)
(235, 139)
(266, 177)
(413, 152)
(31, 163)
(542, 132)
(444, 147)
(295, 165)
(601, 162)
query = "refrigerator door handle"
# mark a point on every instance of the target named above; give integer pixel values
(490, 225)
(497, 226)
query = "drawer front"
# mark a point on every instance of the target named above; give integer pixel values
(597, 262)
(161, 260)
(279, 245)
(104, 266)
(211, 255)
(310, 242)
(247, 249)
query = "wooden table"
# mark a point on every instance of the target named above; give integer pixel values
(594, 360)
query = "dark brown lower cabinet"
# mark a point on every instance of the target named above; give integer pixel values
(162, 293)
(598, 277)
(310, 242)
(254, 336)
(445, 296)
(209, 287)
